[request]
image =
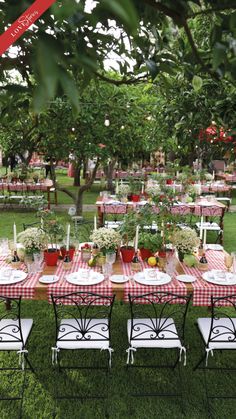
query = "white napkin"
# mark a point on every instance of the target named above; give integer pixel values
(150, 274)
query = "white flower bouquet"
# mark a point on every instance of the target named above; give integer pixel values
(185, 241)
(33, 239)
(153, 189)
(208, 177)
(123, 189)
(106, 239)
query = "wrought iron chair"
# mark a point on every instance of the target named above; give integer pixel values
(218, 333)
(14, 331)
(159, 324)
(113, 214)
(83, 321)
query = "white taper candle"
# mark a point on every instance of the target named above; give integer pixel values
(68, 237)
(14, 234)
(136, 239)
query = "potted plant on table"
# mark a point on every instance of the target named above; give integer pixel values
(186, 242)
(127, 231)
(149, 243)
(55, 232)
(107, 240)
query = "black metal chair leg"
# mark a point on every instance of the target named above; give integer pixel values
(199, 363)
(29, 363)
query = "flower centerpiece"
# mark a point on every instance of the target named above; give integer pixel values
(123, 189)
(209, 177)
(34, 240)
(185, 241)
(106, 239)
(153, 188)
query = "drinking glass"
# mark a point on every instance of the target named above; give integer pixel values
(4, 249)
(107, 270)
(110, 258)
(228, 262)
(38, 260)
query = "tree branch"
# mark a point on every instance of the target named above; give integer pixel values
(195, 51)
(212, 10)
(67, 192)
(123, 81)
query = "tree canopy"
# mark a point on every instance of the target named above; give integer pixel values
(149, 39)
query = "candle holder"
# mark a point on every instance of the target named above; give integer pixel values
(67, 263)
(135, 264)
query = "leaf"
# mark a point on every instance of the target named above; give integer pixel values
(124, 10)
(197, 83)
(39, 99)
(152, 68)
(69, 88)
(219, 54)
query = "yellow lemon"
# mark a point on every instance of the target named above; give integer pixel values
(152, 261)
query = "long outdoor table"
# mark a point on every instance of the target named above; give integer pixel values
(31, 288)
(134, 206)
(23, 189)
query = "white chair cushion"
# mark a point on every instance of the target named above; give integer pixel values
(70, 335)
(221, 325)
(208, 226)
(9, 326)
(145, 328)
(112, 224)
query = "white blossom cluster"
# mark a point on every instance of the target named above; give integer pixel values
(33, 239)
(106, 238)
(153, 189)
(208, 176)
(186, 240)
(123, 189)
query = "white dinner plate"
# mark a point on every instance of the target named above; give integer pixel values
(11, 276)
(160, 279)
(186, 278)
(214, 246)
(85, 277)
(119, 279)
(48, 279)
(220, 277)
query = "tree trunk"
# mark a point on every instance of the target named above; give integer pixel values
(53, 173)
(108, 170)
(85, 166)
(77, 175)
(83, 188)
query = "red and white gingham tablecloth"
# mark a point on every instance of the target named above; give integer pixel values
(134, 288)
(63, 287)
(203, 290)
(25, 289)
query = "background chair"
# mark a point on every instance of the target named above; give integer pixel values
(158, 324)
(113, 214)
(212, 217)
(218, 333)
